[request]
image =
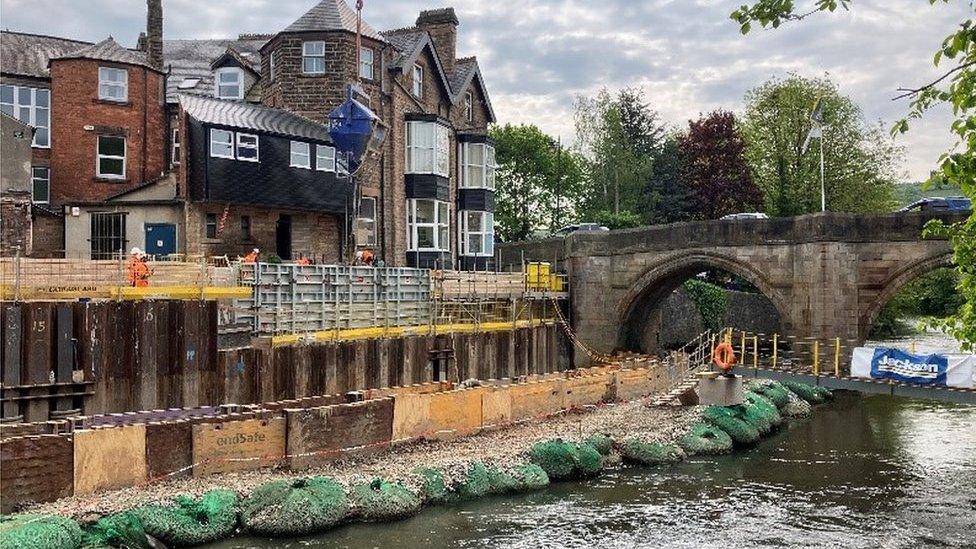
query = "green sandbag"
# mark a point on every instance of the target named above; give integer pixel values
(434, 488)
(47, 531)
(728, 421)
(188, 521)
(563, 460)
(773, 390)
(123, 530)
(804, 391)
(602, 442)
(476, 482)
(501, 481)
(824, 392)
(705, 439)
(649, 453)
(763, 410)
(796, 407)
(380, 501)
(521, 478)
(293, 508)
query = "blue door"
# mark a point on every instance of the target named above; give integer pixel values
(160, 238)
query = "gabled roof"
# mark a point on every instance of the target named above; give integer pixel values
(250, 116)
(109, 50)
(26, 54)
(413, 42)
(231, 54)
(466, 70)
(193, 59)
(331, 15)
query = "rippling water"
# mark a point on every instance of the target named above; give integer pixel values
(872, 471)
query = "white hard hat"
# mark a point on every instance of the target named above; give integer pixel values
(135, 251)
(257, 251)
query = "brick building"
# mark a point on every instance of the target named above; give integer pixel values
(221, 141)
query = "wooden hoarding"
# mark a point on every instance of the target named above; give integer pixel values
(237, 445)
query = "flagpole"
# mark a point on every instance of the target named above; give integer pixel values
(823, 187)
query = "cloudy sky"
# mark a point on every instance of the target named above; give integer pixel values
(537, 56)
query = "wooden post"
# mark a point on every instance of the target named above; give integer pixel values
(775, 348)
(742, 348)
(755, 351)
(837, 357)
(816, 357)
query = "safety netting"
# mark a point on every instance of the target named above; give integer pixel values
(705, 439)
(187, 521)
(39, 531)
(564, 460)
(380, 501)
(433, 486)
(796, 407)
(634, 450)
(475, 482)
(602, 442)
(295, 507)
(520, 478)
(728, 420)
(123, 530)
(761, 412)
(823, 392)
(807, 392)
(773, 390)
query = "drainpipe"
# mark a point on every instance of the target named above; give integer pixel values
(145, 122)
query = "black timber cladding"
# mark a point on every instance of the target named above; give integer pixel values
(270, 182)
(422, 185)
(476, 199)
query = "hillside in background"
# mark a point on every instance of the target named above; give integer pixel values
(906, 193)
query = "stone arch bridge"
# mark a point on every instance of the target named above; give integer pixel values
(828, 275)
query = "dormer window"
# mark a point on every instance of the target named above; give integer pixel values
(113, 84)
(229, 83)
(468, 107)
(313, 57)
(418, 81)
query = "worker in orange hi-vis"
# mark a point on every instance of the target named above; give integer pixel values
(252, 257)
(368, 257)
(138, 268)
(302, 260)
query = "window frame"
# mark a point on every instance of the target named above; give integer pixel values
(485, 233)
(256, 147)
(439, 148)
(488, 166)
(47, 181)
(418, 81)
(363, 63)
(468, 106)
(318, 166)
(246, 234)
(239, 72)
(307, 56)
(109, 220)
(14, 106)
(99, 156)
(230, 143)
(175, 147)
(307, 155)
(210, 220)
(441, 227)
(124, 84)
(370, 221)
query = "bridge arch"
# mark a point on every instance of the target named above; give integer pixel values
(895, 283)
(650, 289)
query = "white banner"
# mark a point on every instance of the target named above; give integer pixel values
(877, 363)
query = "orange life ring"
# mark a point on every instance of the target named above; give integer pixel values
(724, 356)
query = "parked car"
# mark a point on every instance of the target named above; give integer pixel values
(940, 204)
(746, 215)
(580, 228)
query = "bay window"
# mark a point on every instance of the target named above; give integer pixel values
(477, 233)
(32, 106)
(428, 225)
(477, 166)
(427, 148)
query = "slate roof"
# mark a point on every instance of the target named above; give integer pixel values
(253, 117)
(109, 50)
(193, 58)
(26, 54)
(331, 15)
(405, 42)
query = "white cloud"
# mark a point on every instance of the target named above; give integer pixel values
(536, 56)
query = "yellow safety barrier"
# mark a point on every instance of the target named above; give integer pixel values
(55, 292)
(399, 331)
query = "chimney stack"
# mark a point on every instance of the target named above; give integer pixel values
(154, 33)
(442, 25)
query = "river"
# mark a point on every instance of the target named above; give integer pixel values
(864, 471)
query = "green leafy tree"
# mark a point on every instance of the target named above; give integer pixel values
(666, 198)
(714, 169)
(536, 182)
(957, 88)
(859, 161)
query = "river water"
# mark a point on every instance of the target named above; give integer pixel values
(863, 471)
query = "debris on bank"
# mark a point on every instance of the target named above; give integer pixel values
(397, 484)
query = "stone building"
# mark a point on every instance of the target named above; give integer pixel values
(156, 169)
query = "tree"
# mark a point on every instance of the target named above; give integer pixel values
(666, 199)
(714, 169)
(957, 87)
(536, 181)
(859, 161)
